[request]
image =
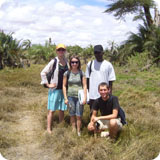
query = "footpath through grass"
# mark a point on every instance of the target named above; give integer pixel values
(23, 120)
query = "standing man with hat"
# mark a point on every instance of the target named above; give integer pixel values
(97, 71)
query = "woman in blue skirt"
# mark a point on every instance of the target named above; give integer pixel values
(55, 94)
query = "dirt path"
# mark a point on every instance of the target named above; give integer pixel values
(28, 132)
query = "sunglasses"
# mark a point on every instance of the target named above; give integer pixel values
(76, 62)
(61, 49)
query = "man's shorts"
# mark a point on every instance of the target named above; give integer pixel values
(104, 124)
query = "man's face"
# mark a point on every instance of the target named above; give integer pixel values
(103, 91)
(98, 56)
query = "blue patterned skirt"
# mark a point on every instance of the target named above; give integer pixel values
(56, 100)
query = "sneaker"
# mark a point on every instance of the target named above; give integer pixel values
(104, 134)
(79, 134)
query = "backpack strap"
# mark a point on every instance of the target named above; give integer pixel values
(81, 77)
(54, 66)
(68, 74)
(90, 68)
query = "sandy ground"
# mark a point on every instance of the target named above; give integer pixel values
(29, 146)
(27, 128)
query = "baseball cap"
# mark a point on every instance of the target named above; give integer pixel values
(60, 46)
(98, 48)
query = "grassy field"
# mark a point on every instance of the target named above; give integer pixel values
(23, 120)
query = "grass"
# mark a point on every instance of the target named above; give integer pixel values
(23, 120)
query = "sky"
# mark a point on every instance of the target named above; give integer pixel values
(72, 22)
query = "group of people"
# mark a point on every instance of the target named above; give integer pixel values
(68, 79)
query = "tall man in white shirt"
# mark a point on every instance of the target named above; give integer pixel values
(97, 71)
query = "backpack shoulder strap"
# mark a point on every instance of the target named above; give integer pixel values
(90, 68)
(54, 66)
(81, 76)
(55, 63)
(68, 74)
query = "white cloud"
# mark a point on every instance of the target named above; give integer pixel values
(63, 22)
(102, 1)
(157, 3)
(55, 21)
(2, 2)
(97, 21)
(24, 14)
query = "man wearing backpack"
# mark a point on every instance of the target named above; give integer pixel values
(97, 71)
(109, 109)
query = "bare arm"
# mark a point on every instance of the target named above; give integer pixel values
(51, 85)
(85, 89)
(94, 114)
(91, 125)
(65, 89)
(108, 117)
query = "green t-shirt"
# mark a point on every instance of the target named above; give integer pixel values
(74, 83)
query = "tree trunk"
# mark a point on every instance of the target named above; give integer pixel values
(148, 15)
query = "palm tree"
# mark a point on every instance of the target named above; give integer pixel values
(113, 52)
(87, 53)
(10, 50)
(74, 50)
(141, 8)
(153, 44)
(136, 41)
(40, 53)
(26, 44)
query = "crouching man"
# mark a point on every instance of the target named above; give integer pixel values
(108, 106)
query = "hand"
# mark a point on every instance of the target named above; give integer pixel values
(95, 119)
(84, 102)
(52, 85)
(91, 126)
(66, 101)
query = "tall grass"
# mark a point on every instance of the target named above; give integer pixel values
(23, 120)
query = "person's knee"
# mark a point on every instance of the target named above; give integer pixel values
(113, 123)
(78, 118)
(50, 112)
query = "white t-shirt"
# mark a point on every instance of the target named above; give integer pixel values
(100, 72)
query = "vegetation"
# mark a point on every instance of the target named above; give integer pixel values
(23, 101)
(146, 39)
(23, 119)
(9, 50)
(40, 54)
(141, 8)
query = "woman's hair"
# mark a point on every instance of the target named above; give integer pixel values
(79, 62)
